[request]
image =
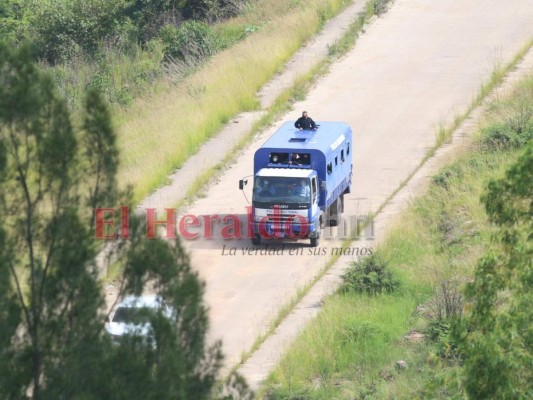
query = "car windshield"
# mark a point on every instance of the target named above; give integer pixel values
(282, 190)
(131, 315)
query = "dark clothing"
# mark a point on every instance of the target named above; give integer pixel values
(305, 123)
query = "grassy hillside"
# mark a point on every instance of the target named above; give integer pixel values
(351, 349)
(176, 71)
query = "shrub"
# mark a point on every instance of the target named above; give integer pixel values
(446, 175)
(212, 10)
(63, 29)
(12, 24)
(442, 334)
(369, 275)
(448, 300)
(503, 136)
(377, 7)
(191, 41)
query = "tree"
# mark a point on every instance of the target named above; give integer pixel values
(497, 340)
(52, 343)
(101, 155)
(52, 285)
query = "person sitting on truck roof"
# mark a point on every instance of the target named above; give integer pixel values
(305, 123)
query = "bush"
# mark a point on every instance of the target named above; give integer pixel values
(442, 334)
(377, 7)
(212, 10)
(503, 136)
(12, 25)
(369, 275)
(446, 175)
(191, 41)
(63, 29)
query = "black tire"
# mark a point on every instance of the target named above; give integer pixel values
(337, 209)
(315, 240)
(256, 240)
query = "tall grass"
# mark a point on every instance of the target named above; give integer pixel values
(120, 76)
(157, 134)
(349, 351)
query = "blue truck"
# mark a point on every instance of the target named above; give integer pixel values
(300, 178)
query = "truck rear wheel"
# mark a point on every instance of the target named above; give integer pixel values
(335, 212)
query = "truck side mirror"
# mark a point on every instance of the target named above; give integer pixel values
(242, 183)
(323, 185)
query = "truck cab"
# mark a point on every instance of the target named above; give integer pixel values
(285, 204)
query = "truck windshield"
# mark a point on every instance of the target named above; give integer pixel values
(282, 190)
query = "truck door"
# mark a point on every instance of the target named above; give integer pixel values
(314, 198)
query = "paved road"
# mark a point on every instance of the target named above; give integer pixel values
(412, 70)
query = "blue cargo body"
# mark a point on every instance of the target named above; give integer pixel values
(324, 145)
(300, 178)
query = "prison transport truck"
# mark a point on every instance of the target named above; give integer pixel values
(300, 178)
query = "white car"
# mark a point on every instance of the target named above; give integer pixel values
(132, 315)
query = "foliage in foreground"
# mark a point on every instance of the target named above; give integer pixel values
(497, 339)
(52, 343)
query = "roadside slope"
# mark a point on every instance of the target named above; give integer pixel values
(431, 244)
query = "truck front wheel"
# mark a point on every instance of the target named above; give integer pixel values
(256, 240)
(315, 239)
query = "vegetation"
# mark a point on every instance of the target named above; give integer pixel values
(152, 62)
(118, 46)
(476, 345)
(369, 275)
(65, 29)
(496, 340)
(52, 343)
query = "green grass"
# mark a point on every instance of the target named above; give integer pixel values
(349, 351)
(119, 76)
(351, 336)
